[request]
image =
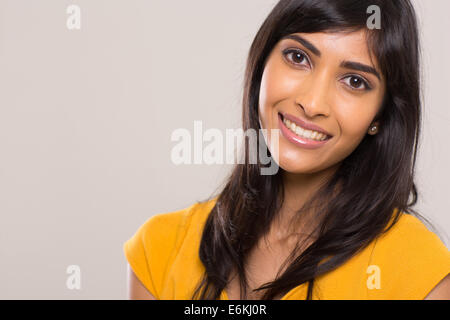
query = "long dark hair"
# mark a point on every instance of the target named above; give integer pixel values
(376, 180)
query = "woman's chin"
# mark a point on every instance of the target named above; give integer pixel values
(298, 167)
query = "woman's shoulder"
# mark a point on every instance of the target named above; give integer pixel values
(410, 231)
(156, 242)
(411, 259)
(178, 220)
(165, 230)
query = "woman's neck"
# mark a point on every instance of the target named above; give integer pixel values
(298, 188)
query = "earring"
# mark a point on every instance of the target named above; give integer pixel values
(373, 129)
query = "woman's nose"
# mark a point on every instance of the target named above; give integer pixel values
(313, 93)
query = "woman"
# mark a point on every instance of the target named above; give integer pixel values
(335, 222)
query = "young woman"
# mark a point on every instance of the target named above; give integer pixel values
(336, 220)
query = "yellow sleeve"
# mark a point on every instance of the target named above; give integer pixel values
(150, 249)
(412, 260)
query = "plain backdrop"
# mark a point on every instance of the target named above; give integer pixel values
(86, 118)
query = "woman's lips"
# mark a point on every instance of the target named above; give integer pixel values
(305, 125)
(297, 140)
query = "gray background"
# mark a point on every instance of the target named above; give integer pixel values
(86, 118)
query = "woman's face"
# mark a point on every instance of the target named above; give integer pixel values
(323, 79)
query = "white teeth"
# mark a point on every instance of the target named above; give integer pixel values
(309, 134)
(293, 126)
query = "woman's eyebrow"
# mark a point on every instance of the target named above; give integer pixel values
(344, 64)
(360, 67)
(304, 42)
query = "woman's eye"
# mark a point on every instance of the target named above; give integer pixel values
(295, 56)
(357, 83)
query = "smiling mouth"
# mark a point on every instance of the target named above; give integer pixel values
(303, 132)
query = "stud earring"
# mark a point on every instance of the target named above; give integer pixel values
(373, 129)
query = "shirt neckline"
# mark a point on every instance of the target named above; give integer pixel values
(224, 295)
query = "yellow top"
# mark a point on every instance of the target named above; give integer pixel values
(405, 263)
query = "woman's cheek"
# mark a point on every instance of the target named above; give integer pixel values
(265, 96)
(350, 137)
(353, 117)
(278, 82)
